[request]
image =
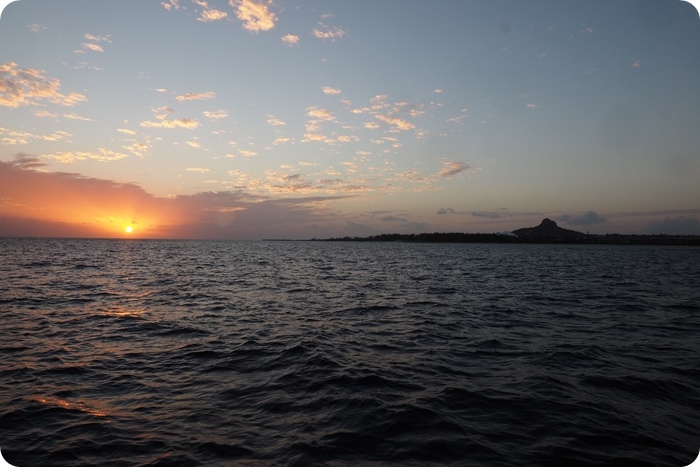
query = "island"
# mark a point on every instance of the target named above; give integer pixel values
(547, 232)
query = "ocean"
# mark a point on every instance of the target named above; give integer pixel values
(220, 353)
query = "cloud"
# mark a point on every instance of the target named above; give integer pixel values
(34, 203)
(37, 27)
(217, 115)
(171, 5)
(397, 122)
(331, 90)
(74, 116)
(125, 131)
(179, 123)
(27, 86)
(209, 14)
(196, 96)
(102, 155)
(11, 137)
(44, 114)
(274, 121)
(27, 161)
(452, 168)
(329, 32)
(93, 47)
(589, 218)
(162, 113)
(290, 39)
(320, 114)
(446, 211)
(197, 169)
(680, 225)
(255, 16)
(93, 38)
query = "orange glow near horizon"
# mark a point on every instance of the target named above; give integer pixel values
(128, 229)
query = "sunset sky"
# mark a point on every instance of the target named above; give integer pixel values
(250, 119)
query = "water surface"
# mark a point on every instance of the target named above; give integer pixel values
(127, 352)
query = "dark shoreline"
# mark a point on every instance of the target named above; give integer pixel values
(607, 239)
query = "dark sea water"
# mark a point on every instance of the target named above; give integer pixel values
(184, 353)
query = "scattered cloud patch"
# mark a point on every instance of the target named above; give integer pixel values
(171, 5)
(397, 122)
(256, 16)
(28, 86)
(11, 137)
(216, 115)
(102, 155)
(209, 14)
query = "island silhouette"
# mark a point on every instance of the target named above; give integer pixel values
(546, 232)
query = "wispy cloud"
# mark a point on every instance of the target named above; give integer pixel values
(94, 38)
(325, 32)
(44, 114)
(28, 86)
(74, 116)
(187, 123)
(171, 5)
(216, 115)
(452, 168)
(274, 121)
(93, 47)
(102, 155)
(196, 96)
(12, 137)
(256, 16)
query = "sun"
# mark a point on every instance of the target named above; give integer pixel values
(128, 229)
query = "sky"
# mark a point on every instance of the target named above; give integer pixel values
(253, 119)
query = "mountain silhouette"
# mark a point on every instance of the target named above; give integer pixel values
(549, 230)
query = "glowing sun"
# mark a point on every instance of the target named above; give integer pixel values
(128, 229)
